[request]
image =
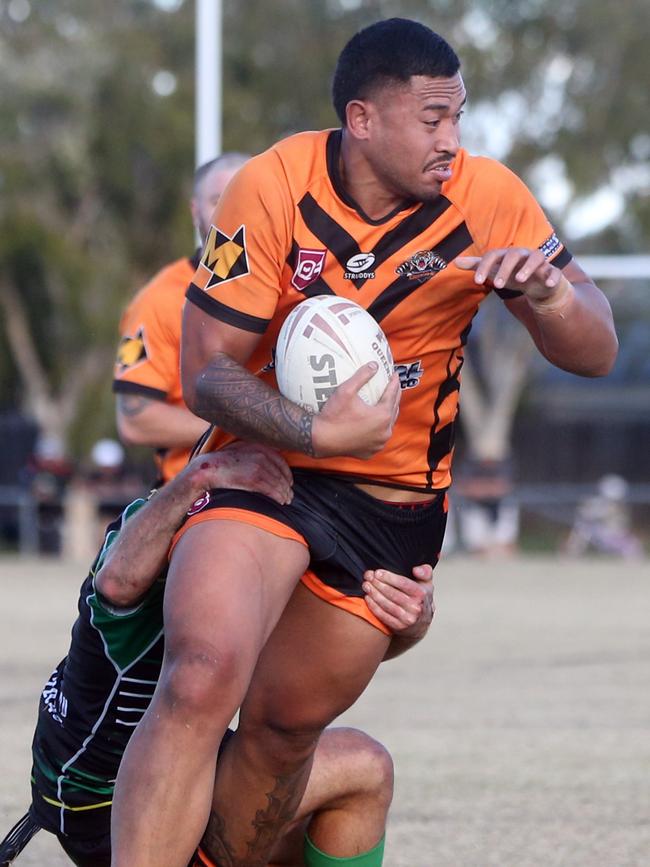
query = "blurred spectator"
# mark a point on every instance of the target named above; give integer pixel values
(18, 436)
(603, 523)
(488, 523)
(98, 493)
(110, 478)
(49, 472)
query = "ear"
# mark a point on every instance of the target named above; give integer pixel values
(194, 210)
(358, 116)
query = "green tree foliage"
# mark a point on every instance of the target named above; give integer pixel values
(92, 164)
(95, 164)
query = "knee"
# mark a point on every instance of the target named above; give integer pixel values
(201, 679)
(363, 765)
(376, 771)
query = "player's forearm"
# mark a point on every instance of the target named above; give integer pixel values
(139, 554)
(575, 331)
(228, 395)
(145, 422)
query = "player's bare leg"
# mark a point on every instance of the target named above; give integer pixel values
(315, 665)
(227, 586)
(346, 803)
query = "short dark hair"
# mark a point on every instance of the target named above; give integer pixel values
(389, 51)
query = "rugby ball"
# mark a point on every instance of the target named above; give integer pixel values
(323, 341)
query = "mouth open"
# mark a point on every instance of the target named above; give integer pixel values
(440, 171)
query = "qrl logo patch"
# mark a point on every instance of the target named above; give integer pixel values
(409, 374)
(131, 351)
(199, 505)
(308, 268)
(224, 257)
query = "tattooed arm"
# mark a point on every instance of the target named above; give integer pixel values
(230, 396)
(143, 421)
(217, 387)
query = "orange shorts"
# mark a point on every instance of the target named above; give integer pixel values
(352, 604)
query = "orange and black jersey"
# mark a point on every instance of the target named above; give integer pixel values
(286, 229)
(148, 356)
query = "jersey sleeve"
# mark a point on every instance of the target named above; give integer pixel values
(508, 215)
(238, 277)
(147, 361)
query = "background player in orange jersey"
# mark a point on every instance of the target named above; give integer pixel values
(439, 230)
(149, 400)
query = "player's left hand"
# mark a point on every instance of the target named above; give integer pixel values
(404, 605)
(517, 268)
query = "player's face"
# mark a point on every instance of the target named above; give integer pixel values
(207, 195)
(414, 135)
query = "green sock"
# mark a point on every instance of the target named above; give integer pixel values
(315, 858)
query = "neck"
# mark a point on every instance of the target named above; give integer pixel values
(362, 184)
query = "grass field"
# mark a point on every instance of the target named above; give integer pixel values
(520, 727)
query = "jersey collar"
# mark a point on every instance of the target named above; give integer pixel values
(333, 154)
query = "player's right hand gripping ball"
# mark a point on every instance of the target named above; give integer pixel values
(323, 341)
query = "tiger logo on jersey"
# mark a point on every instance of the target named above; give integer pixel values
(131, 351)
(421, 265)
(224, 257)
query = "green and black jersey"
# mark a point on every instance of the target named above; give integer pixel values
(92, 703)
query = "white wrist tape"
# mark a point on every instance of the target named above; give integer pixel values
(557, 303)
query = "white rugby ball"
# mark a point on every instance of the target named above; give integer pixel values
(323, 341)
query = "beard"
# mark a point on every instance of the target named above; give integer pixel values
(411, 189)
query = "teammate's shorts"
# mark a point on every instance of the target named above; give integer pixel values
(347, 532)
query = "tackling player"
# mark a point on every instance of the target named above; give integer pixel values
(438, 230)
(98, 693)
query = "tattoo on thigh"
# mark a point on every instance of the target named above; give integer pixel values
(267, 825)
(131, 404)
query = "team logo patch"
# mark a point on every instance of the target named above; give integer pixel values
(550, 246)
(225, 257)
(308, 268)
(422, 265)
(359, 267)
(199, 505)
(131, 351)
(409, 374)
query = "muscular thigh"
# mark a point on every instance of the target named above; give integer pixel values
(229, 581)
(316, 663)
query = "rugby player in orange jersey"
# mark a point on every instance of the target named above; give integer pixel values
(439, 230)
(147, 379)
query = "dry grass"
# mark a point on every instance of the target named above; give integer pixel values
(519, 728)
